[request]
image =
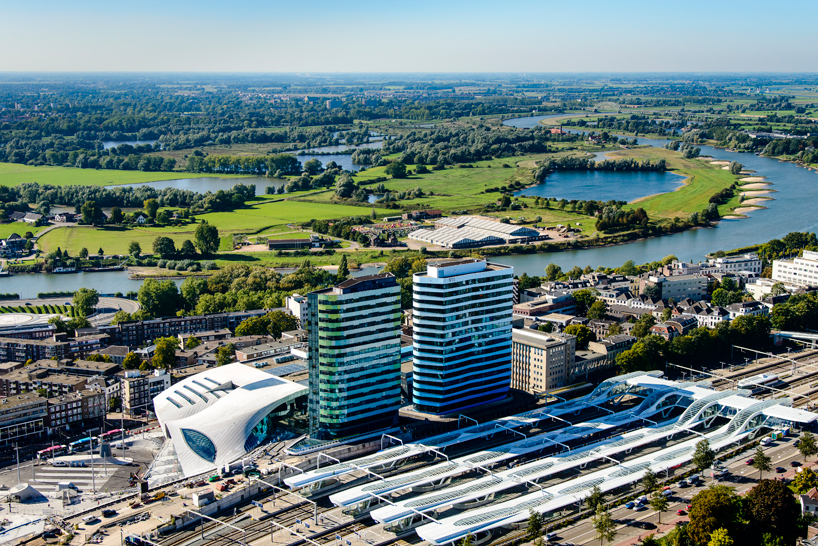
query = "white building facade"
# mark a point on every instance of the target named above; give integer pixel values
(801, 271)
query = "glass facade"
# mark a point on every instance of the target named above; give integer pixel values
(462, 336)
(354, 356)
(200, 444)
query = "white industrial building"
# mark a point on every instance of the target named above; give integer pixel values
(217, 416)
(472, 231)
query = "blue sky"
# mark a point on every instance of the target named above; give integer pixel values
(408, 36)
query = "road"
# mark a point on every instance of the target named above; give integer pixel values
(742, 478)
(105, 309)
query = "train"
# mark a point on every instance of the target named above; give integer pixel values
(760, 383)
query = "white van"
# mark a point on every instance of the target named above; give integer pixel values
(766, 441)
(89, 519)
(550, 537)
(66, 485)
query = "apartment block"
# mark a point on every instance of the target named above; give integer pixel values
(541, 361)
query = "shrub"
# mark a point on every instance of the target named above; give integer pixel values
(170, 264)
(161, 263)
(193, 267)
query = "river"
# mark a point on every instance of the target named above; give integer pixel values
(107, 282)
(792, 210)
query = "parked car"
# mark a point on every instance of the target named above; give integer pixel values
(108, 513)
(681, 512)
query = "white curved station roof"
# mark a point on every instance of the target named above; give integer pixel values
(210, 415)
(389, 457)
(558, 496)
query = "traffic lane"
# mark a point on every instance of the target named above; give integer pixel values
(780, 454)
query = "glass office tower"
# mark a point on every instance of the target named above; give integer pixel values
(354, 356)
(462, 335)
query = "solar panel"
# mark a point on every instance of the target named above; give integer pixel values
(287, 369)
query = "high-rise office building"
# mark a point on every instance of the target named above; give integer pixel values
(354, 356)
(462, 335)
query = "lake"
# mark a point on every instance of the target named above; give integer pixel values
(114, 143)
(791, 210)
(604, 185)
(343, 160)
(206, 184)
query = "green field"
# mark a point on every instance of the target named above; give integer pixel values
(12, 174)
(701, 182)
(20, 228)
(260, 216)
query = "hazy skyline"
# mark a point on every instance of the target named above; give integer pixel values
(419, 36)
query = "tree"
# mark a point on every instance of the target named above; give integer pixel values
(85, 300)
(396, 169)
(100, 252)
(343, 270)
(84, 253)
(649, 481)
(90, 212)
(703, 457)
(597, 310)
(165, 354)
(595, 498)
(121, 316)
(225, 354)
(659, 503)
(131, 361)
(151, 207)
(187, 249)
(805, 480)
(582, 333)
(116, 215)
(604, 525)
(615, 329)
(206, 238)
(59, 324)
(807, 445)
(720, 537)
(98, 358)
(761, 462)
(770, 507)
(312, 167)
(164, 247)
(163, 217)
(468, 540)
(584, 300)
(643, 325)
(552, 272)
(135, 249)
(192, 342)
(272, 323)
(534, 524)
(158, 298)
(653, 291)
(714, 508)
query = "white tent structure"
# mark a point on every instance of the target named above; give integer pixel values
(217, 416)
